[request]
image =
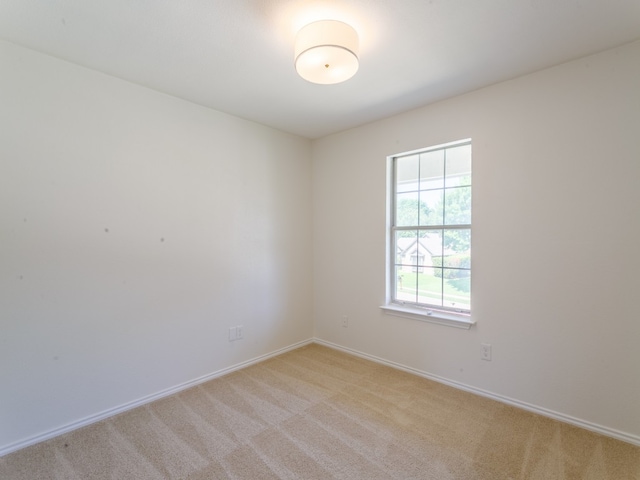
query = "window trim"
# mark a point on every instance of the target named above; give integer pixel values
(398, 308)
(430, 315)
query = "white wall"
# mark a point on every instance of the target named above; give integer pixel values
(135, 228)
(556, 258)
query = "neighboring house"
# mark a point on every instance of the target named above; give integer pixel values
(416, 254)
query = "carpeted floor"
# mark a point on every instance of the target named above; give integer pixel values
(315, 413)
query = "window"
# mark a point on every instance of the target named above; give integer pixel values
(430, 231)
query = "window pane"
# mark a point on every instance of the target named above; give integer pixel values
(429, 281)
(458, 166)
(407, 173)
(406, 288)
(407, 209)
(431, 242)
(457, 288)
(406, 248)
(431, 212)
(430, 287)
(457, 243)
(457, 271)
(457, 206)
(432, 170)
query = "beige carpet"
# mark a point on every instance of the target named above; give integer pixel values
(316, 413)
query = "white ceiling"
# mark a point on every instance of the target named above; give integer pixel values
(236, 56)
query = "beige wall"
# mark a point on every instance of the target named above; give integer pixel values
(208, 220)
(556, 159)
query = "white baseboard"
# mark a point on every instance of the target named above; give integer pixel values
(142, 401)
(609, 432)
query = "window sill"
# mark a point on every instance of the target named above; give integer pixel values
(431, 316)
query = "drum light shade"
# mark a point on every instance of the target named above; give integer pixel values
(326, 52)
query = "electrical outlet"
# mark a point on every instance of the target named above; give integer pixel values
(486, 352)
(233, 333)
(345, 321)
(239, 332)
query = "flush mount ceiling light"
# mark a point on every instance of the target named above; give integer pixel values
(326, 52)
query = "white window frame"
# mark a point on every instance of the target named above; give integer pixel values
(432, 314)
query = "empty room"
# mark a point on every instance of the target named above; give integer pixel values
(355, 239)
